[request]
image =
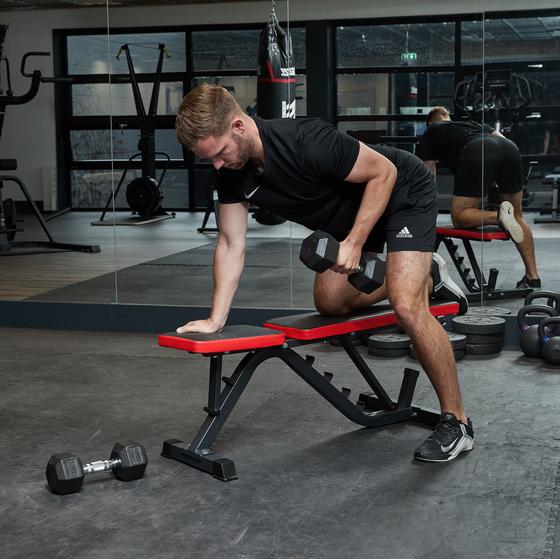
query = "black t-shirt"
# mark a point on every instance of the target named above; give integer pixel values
(305, 164)
(444, 140)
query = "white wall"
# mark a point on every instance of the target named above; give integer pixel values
(29, 130)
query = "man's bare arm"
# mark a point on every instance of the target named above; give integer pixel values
(380, 175)
(431, 166)
(229, 259)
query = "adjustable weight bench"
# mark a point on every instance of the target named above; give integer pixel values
(278, 338)
(473, 277)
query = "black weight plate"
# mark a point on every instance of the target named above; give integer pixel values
(478, 324)
(488, 311)
(485, 339)
(389, 341)
(387, 352)
(458, 341)
(484, 349)
(457, 353)
(355, 338)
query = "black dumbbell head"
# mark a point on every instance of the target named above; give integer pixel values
(370, 276)
(133, 461)
(65, 473)
(319, 251)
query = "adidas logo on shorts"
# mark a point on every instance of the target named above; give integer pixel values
(404, 233)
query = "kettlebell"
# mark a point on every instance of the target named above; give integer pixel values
(550, 349)
(529, 335)
(552, 298)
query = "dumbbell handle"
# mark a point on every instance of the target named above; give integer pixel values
(101, 466)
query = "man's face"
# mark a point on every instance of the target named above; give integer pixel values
(231, 151)
(440, 118)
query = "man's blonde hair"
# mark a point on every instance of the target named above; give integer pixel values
(436, 111)
(205, 111)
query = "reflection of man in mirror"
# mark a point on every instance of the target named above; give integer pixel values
(480, 157)
(308, 172)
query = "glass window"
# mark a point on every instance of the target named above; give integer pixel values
(243, 88)
(225, 50)
(472, 44)
(92, 188)
(404, 93)
(93, 99)
(298, 46)
(394, 45)
(519, 39)
(175, 189)
(87, 54)
(94, 145)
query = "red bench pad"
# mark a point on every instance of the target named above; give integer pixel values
(490, 233)
(314, 326)
(231, 338)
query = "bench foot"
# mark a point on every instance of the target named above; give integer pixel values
(369, 404)
(218, 466)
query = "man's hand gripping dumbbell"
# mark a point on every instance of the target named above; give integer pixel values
(320, 251)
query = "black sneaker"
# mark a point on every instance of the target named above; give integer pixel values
(525, 283)
(508, 223)
(449, 439)
(444, 286)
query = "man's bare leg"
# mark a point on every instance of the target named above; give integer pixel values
(407, 284)
(465, 214)
(526, 248)
(334, 295)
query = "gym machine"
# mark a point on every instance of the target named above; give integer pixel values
(8, 219)
(143, 194)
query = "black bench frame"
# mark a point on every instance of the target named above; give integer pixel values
(372, 409)
(473, 278)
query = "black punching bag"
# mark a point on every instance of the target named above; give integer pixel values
(276, 75)
(276, 84)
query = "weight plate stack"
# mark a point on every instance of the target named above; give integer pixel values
(457, 353)
(457, 341)
(388, 345)
(355, 338)
(488, 311)
(485, 334)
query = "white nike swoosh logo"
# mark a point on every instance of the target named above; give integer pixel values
(247, 196)
(447, 448)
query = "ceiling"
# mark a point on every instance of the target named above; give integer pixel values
(11, 5)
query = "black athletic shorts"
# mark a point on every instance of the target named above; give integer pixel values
(407, 226)
(502, 164)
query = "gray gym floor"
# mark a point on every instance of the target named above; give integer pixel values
(311, 484)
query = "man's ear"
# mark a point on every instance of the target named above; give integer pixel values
(238, 126)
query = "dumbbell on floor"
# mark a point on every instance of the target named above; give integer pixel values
(320, 251)
(65, 472)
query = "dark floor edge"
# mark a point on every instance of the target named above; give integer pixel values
(103, 317)
(119, 317)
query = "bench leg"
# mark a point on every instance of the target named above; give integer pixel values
(198, 453)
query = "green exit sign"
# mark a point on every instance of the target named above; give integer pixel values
(408, 57)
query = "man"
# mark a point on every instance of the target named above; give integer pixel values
(464, 147)
(308, 172)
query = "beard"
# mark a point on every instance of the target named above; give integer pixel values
(245, 150)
